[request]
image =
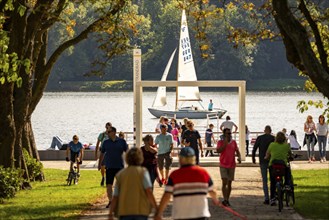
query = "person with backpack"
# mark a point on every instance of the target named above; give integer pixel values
(100, 140)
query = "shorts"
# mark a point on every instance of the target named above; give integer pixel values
(74, 156)
(164, 157)
(110, 174)
(227, 173)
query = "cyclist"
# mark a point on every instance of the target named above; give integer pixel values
(76, 153)
(278, 151)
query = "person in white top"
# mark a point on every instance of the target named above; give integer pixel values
(157, 128)
(310, 139)
(322, 133)
(292, 140)
(228, 124)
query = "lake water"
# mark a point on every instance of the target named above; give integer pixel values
(85, 114)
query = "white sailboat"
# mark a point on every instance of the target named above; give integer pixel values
(185, 72)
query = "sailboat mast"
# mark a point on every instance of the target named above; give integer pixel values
(179, 54)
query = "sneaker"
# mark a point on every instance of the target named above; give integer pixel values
(272, 202)
(224, 203)
(228, 203)
(102, 182)
(313, 159)
(321, 160)
(324, 159)
(310, 161)
(266, 202)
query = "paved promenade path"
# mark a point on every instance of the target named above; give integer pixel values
(246, 197)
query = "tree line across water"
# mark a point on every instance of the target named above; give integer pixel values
(261, 60)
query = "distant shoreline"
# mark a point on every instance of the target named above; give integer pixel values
(284, 85)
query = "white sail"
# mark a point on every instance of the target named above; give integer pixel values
(186, 69)
(161, 97)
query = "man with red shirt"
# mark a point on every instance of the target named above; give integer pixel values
(227, 149)
(189, 186)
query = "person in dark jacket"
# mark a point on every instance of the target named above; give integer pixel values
(262, 143)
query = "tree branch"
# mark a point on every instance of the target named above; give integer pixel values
(317, 36)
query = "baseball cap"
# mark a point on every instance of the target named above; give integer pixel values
(187, 152)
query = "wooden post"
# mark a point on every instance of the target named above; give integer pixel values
(137, 115)
(242, 120)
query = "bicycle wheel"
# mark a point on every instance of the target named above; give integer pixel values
(280, 196)
(76, 179)
(288, 198)
(69, 179)
(292, 193)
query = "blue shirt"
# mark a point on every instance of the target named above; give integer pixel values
(164, 141)
(210, 106)
(113, 152)
(75, 147)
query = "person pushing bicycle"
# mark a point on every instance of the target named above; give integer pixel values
(278, 151)
(76, 153)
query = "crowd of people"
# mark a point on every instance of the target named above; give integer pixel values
(132, 197)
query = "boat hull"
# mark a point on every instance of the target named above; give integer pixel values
(188, 113)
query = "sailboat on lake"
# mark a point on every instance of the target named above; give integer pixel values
(185, 72)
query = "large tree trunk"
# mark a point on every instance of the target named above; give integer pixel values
(7, 125)
(298, 46)
(29, 141)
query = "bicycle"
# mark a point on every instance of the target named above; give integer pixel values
(73, 176)
(284, 192)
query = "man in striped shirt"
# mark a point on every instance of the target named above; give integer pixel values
(189, 186)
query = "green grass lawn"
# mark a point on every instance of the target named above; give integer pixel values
(52, 199)
(312, 193)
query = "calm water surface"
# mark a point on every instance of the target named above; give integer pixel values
(85, 114)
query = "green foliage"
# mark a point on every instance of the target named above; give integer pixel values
(34, 167)
(303, 106)
(312, 193)
(10, 182)
(9, 62)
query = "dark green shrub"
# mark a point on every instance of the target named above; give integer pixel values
(10, 182)
(34, 167)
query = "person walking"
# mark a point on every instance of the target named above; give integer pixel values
(100, 140)
(322, 134)
(133, 197)
(192, 138)
(209, 136)
(278, 150)
(227, 148)
(262, 143)
(112, 153)
(150, 158)
(164, 141)
(247, 140)
(310, 139)
(228, 124)
(189, 186)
